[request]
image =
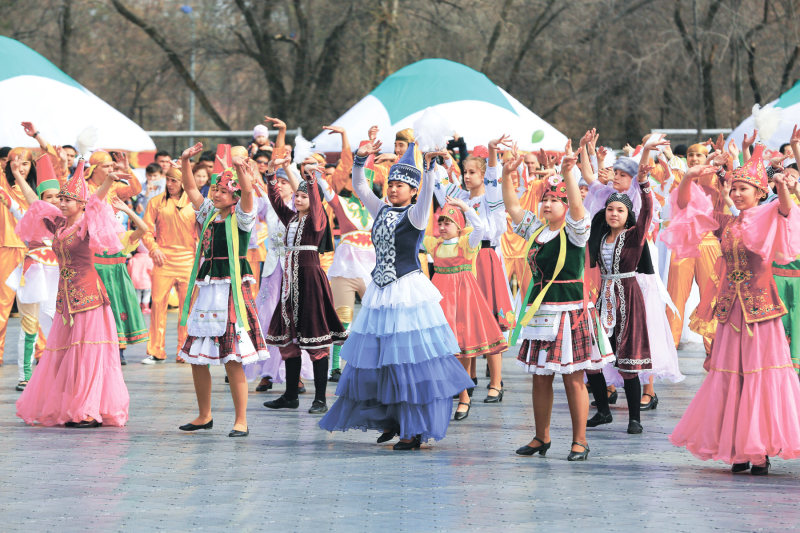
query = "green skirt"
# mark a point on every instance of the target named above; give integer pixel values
(789, 291)
(131, 327)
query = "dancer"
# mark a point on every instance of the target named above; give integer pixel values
(484, 195)
(222, 327)
(354, 258)
(401, 372)
(305, 318)
(78, 381)
(463, 303)
(559, 329)
(36, 278)
(616, 245)
(172, 241)
(746, 408)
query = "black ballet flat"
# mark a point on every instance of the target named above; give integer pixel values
(579, 456)
(652, 404)
(414, 444)
(634, 427)
(195, 427)
(736, 468)
(494, 399)
(530, 450)
(612, 399)
(282, 403)
(599, 419)
(237, 433)
(86, 424)
(461, 415)
(264, 385)
(760, 470)
(386, 436)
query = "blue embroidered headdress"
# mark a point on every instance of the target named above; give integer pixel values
(406, 169)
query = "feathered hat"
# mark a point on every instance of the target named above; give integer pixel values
(406, 169)
(75, 188)
(454, 214)
(45, 175)
(753, 172)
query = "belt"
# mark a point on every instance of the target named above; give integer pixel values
(304, 248)
(487, 244)
(108, 260)
(452, 269)
(622, 275)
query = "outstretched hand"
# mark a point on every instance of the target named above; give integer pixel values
(369, 148)
(30, 129)
(503, 140)
(644, 171)
(458, 203)
(276, 122)
(334, 129)
(192, 151)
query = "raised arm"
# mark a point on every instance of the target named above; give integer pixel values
(280, 141)
(141, 226)
(32, 132)
(646, 210)
(420, 212)
(576, 210)
(122, 167)
(343, 171)
(478, 227)
(284, 212)
(503, 140)
(513, 207)
(243, 172)
(315, 210)
(360, 186)
(587, 172)
(189, 185)
(104, 187)
(29, 194)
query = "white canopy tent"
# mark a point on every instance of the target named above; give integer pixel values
(475, 108)
(789, 107)
(33, 89)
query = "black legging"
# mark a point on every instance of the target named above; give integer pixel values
(293, 365)
(633, 394)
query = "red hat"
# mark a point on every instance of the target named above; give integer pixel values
(230, 181)
(753, 172)
(480, 151)
(221, 161)
(555, 186)
(453, 213)
(76, 188)
(45, 175)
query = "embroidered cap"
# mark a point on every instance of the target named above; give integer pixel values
(75, 188)
(454, 214)
(622, 198)
(406, 169)
(556, 187)
(753, 172)
(230, 181)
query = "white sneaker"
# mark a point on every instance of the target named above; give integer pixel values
(150, 360)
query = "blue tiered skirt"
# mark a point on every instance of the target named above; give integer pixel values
(401, 370)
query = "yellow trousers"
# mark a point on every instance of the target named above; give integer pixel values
(679, 284)
(10, 258)
(172, 274)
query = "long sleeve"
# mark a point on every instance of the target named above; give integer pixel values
(341, 176)
(478, 228)
(39, 222)
(151, 219)
(362, 189)
(645, 214)
(281, 209)
(133, 188)
(316, 212)
(419, 213)
(327, 193)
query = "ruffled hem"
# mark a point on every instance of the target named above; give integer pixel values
(409, 347)
(419, 383)
(388, 321)
(550, 368)
(409, 291)
(688, 226)
(205, 351)
(201, 359)
(771, 235)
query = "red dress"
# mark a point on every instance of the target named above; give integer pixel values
(463, 303)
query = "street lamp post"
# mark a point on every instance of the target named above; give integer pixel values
(189, 11)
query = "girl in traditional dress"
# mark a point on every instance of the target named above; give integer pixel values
(559, 330)
(78, 381)
(616, 245)
(746, 408)
(463, 303)
(223, 326)
(305, 318)
(401, 373)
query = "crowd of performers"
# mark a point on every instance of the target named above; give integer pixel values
(581, 265)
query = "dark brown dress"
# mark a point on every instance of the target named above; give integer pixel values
(305, 314)
(621, 303)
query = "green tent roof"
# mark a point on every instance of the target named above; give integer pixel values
(790, 97)
(16, 59)
(435, 81)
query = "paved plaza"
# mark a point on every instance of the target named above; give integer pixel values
(289, 475)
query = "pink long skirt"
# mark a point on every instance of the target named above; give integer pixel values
(79, 374)
(749, 404)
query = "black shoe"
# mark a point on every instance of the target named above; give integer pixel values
(494, 399)
(530, 450)
(194, 427)
(415, 443)
(21, 385)
(85, 424)
(762, 470)
(475, 381)
(122, 360)
(70, 424)
(634, 427)
(336, 374)
(599, 419)
(226, 379)
(237, 433)
(470, 391)
(612, 399)
(386, 436)
(488, 385)
(461, 415)
(652, 404)
(579, 456)
(264, 385)
(740, 467)
(281, 402)
(301, 388)
(318, 407)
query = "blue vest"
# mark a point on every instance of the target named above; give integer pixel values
(397, 243)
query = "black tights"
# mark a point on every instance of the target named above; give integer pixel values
(293, 365)
(633, 394)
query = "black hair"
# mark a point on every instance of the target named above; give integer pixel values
(208, 155)
(31, 179)
(4, 151)
(70, 146)
(153, 168)
(161, 153)
(784, 145)
(262, 153)
(330, 165)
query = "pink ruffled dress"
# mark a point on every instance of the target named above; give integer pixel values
(79, 374)
(749, 403)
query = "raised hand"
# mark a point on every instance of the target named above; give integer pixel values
(700, 170)
(193, 151)
(430, 155)
(458, 203)
(369, 148)
(30, 129)
(589, 138)
(775, 162)
(602, 153)
(795, 138)
(656, 141)
(568, 162)
(733, 149)
(276, 122)
(644, 171)
(503, 140)
(121, 160)
(372, 133)
(511, 166)
(334, 129)
(275, 164)
(568, 148)
(605, 175)
(748, 142)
